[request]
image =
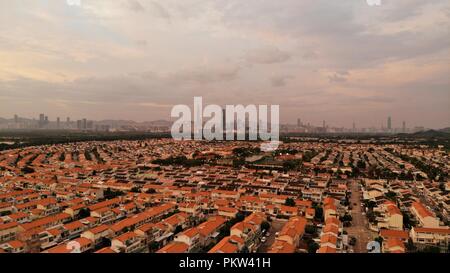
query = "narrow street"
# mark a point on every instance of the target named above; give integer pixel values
(276, 226)
(359, 228)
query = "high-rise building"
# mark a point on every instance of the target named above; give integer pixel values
(41, 120)
(224, 120)
(299, 122)
(389, 124)
(58, 123)
(354, 127)
(404, 127)
(84, 124)
(16, 119)
(90, 125)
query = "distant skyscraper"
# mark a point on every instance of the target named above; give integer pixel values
(84, 124)
(41, 120)
(90, 125)
(389, 123)
(323, 124)
(224, 120)
(299, 122)
(404, 127)
(79, 124)
(354, 127)
(58, 122)
(16, 119)
(68, 120)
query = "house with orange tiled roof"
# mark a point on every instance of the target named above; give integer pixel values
(393, 245)
(191, 237)
(74, 209)
(280, 246)
(190, 207)
(293, 230)
(327, 250)
(330, 229)
(203, 234)
(129, 242)
(390, 233)
(425, 217)
(73, 229)
(249, 229)
(329, 207)
(175, 247)
(310, 213)
(79, 245)
(105, 215)
(14, 246)
(390, 216)
(178, 219)
(111, 203)
(229, 244)
(153, 214)
(223, 194)
(288, 211)
(329, 240)
(97, 234)
(430, 236)
(229, 212)
(106, 250)
(209, 230)
(49, 238)
(19, 217)
(47, 222)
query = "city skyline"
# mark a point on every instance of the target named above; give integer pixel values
(338, 61)
(61, 122)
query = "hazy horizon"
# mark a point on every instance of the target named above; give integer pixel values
(339, 61)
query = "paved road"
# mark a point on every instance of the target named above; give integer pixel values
(359, 228)
(276, 226)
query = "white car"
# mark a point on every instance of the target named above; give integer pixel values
(263, 239)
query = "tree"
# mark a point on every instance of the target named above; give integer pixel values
(312, 246)
(430, 249)
(319, 213)
(178, 229)
(84, 212)
(265, 225)
(361, 164)
(110, 194)
(136, 190)
(289, 202)
(310, 229)
(153, 246)
(346, 218)
(379, 239)
(410, 247)
(391, 195)
(244, 249)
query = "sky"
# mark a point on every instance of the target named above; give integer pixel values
(339, 61)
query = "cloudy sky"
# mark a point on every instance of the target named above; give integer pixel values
(333, 60)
